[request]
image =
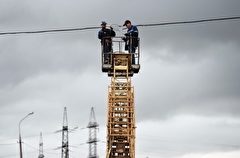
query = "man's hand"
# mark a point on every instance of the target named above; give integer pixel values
(124, 39)
(127, 34)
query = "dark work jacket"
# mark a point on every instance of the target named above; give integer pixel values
(132, 33)
(105, 35)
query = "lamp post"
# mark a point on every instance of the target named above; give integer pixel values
(20, 139)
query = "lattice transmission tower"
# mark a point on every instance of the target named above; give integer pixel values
(65, 149)
(92, 141)
(41, 147)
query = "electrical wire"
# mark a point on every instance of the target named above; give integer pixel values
(7, 144)
(140, 25)
(46, 151)
(46, 31)
(193, 21)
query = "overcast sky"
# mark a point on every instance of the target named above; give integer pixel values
(187, 93)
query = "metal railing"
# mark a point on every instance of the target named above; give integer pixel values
(120, 45)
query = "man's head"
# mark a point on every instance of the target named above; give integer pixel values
(103, 24)
(127, 23)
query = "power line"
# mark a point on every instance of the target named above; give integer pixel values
(46, 31)
(140, 25)
(7, 144)
(193, 21)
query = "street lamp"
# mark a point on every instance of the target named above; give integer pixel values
(20, 139)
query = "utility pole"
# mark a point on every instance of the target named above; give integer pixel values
(41, 147)
(65, 150)
(92, 141)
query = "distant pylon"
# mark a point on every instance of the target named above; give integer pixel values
(92, 141)
(41, 147)
(65, 150)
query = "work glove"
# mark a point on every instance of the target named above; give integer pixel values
(127, 34)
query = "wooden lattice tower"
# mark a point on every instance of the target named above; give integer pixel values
(121, 111)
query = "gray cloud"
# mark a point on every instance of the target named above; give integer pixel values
(186, 93)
